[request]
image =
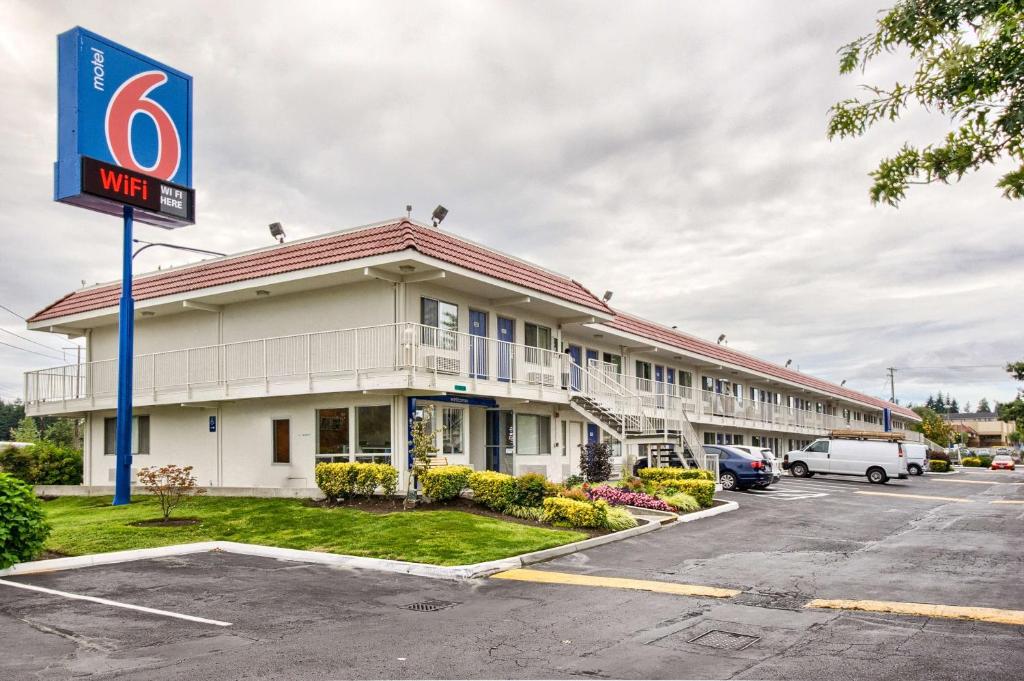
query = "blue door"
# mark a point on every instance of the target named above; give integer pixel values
(591, 355)
(593, 434)
(575, 373)
(506, 337)
(478, 344)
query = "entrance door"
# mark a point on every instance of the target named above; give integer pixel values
(478, 344)
(506, 337)
(659, 385)
(592, 356)
(575, 374)
(500, 443)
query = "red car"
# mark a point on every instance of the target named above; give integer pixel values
(1002, 462)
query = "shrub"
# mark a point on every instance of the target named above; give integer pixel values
(171, 484)
(596, 461)
(496, 491)
(576, 493)
(445, 482)
(621, 497)
(525, 512)
(970, 461)
(633, 485)
(44, 463)
(938, 456)
(531, 490)
(681, 502)
(701, 490)
(573, 481)
(619, 519)
(938, 466)
(346, 480)
(23, 526)
(571, 513)
(661, 474)
(985, 461)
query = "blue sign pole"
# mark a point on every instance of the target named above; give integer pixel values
(125, 357)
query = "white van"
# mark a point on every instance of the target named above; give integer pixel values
(878, 460)
(917, 457)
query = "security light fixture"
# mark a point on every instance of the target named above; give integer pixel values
(843, 383)
(674, 327)
(408, 210)
(147, 313)
(406, 269)
(262, 292)
(788, 362)
(439, 215)
(277, 231)
(721, 339)
(607, 296)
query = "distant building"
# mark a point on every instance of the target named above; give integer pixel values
(983, 429)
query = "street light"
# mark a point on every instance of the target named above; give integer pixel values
(150, 244)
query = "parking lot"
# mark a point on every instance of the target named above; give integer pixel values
(950, 540)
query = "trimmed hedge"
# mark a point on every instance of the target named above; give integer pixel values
(445, 482)
(23, 526)
(496, 491)
(971, 461)
(564, 512)
(532, 489)
(346, 480)
(43, 463)
(938, 466)
(701, 490)
(661, 474)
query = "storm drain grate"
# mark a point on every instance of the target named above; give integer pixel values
(429, 605)
(772, 599)
(724, 640)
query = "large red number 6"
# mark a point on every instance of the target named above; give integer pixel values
(129, 101)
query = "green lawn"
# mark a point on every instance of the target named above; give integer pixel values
(84, 525)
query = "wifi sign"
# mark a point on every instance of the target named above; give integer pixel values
(131, 116)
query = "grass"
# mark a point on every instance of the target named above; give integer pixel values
(83, 525)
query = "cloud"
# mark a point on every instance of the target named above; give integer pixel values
(672, 152)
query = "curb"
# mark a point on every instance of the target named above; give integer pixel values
(451, 573)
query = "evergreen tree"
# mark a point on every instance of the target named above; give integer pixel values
(954, 407)
(967, 408)
(983, 406)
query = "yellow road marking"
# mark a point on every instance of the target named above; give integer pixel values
(918, 496)
(546, 577)
(956, 612)
(979, 482)
(1006, 501)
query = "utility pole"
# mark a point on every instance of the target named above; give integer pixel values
(892, 384)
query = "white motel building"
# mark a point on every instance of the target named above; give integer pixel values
(254, 367)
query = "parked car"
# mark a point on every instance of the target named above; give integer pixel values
(1002, 462)
(642, 462)
(917, 457)
(768, 456)
(981, 452)
(877, 460)
(738, 469)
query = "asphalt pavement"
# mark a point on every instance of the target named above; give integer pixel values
(948, 540)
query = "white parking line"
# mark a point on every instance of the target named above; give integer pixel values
(116, 604)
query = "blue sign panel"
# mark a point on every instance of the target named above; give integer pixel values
(124, 132)
(213, 424)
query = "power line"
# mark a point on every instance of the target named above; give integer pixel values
(4, 307)
(26, 338)
(60, 359)
(957, 366)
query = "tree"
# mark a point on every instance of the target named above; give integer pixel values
(10, 414)
(1016, 369)
(983, 406)
(933, 426)
(1014, 411)
(170, 484)
(954, 408)
(424, 447)
(969, 56)
(967, 408)
(27, 431)
(63, 433)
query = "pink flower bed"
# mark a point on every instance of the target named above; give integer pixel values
(621, 497)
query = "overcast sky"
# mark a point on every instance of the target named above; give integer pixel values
(674, 153)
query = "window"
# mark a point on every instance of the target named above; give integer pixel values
(820, 446)
(140, 435)
(282, 440)
(533, 434)
(707, 384)
(453, 437)
(373, 434)
(613, 359)
(737, 439)
(539, 337)
(643, 370)
(709, 438)
(685, 379)
(441, 316)
(332, 435)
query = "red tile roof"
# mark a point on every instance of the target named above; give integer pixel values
(673, 338)
(402, 235)
(378, 240)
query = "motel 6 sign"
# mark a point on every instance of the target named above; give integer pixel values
(124, 132)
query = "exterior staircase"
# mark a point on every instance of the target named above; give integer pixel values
(633, 418)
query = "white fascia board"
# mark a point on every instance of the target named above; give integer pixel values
(727, 365)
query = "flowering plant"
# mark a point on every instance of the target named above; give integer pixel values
(621, 497)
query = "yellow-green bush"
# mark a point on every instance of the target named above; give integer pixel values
(619, 519)
(681, 502)
(494, 490)
(660, 474)
(445, 482)
(701, 490)
(346, 480)
(565, 512)
(972, 461)
(938, 466)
